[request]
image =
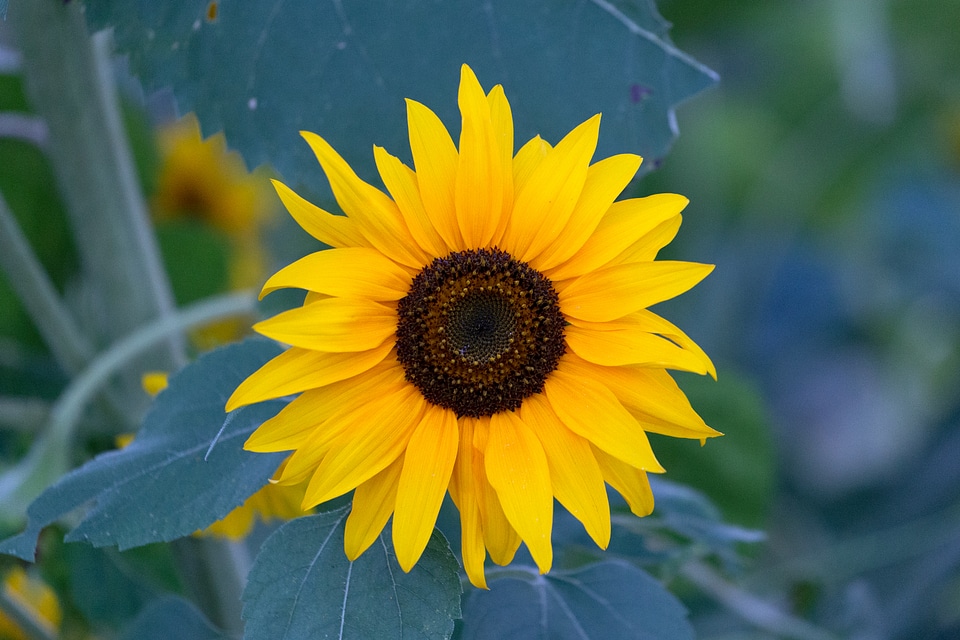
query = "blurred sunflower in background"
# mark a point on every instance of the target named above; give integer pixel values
(483, 330)
(32, 597)
(210, 214)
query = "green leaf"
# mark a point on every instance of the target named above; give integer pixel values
(609, 599)
(171, 617)
(303, 586)
(162, 487)
(263, 71)
(109, 587)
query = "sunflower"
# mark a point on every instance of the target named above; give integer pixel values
(484, 330)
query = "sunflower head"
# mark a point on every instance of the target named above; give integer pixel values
(483, 329)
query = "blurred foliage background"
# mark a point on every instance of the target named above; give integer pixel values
(824, 179)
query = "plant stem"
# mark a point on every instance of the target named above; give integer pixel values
(69, 406)
(22, 414)
(50, 454)
(26, 620)
(30, 282)
(755, 610)
(208, 568)
(68, 79)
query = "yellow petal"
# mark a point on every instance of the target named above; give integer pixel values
(334, 324)
(630, 345)
(625, 223)
(479, 185)
(297, 370)
(546, 200)
(651, 395)
(500, 538)
(606, 179)
(401, 182)
(528, 158)
(303, 419)
(646, 320)
(336, 231)
(427, 466)
(517, 470)
(372, 505)
(463, 491)
(647, 247)
(153, 382)
(376, 215)
(502, 119)
(375, 437)
(591, 410)
(355, 272)
(435, 161)
(629, 482)
(613, 292)
(574, 473)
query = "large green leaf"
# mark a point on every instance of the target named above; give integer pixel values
(610, 599)
(303, 586)
(262, 71)
(164, 485)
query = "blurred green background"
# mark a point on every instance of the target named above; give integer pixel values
(824, 179)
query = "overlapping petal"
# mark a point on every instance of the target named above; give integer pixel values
(574, 474)
(517, 469)
(479, 189)
(377, 436)
(427, 466)
(297, 370)
(605, 181)
(333, 324)
(624, 224)
(549, 194)
(375, 214)
(613, 292)
(336, 231)
(372, 507)
(591, 410)
(435, 160)
(354, 271)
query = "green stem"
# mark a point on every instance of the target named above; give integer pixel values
(30, 282)
(751, 608)
(214, 578)
(25, 619)
(69, 406)
(22, 414)
(50, 454)
(69, 82)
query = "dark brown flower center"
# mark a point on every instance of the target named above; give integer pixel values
(479, 332)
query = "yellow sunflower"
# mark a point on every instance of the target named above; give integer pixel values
(483, 330)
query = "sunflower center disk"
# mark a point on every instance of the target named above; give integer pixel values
(479, 331)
